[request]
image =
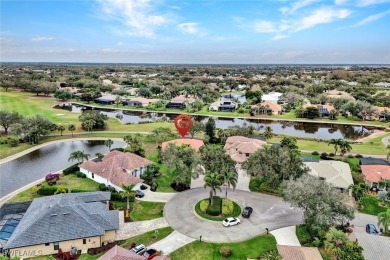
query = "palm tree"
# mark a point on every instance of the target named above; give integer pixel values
(108, 143)
(61, 128)
(99, 155)
(336, 143)
(71, 128)
(89, 124)
(118, 100)
(345, 146)
(79, 156)
(127, 192)
(230, 178)
(359, 190)
(384, 219)
(213, 181)
(268, 134)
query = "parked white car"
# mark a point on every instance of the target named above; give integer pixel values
(231, 222)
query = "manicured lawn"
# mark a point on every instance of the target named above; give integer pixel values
(145, 210)
(148, 238)
(68, 181)
(236, 212)
(252, 249)
(371, 205)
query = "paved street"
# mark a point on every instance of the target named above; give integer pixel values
(269, 212)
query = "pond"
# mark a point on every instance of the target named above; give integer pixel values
(37, 164)
(298, 129)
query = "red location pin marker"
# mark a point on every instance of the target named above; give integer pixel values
(183, 123)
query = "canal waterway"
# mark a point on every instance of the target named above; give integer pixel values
(298, 129)
(24, 170)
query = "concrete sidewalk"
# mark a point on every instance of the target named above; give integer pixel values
(171, 243)
(286, 236)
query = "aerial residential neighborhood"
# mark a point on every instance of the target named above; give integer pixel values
(195, 130)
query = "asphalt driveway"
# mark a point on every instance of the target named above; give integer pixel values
(268, 212)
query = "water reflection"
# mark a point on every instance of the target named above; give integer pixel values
(35, 165)
(298, 129)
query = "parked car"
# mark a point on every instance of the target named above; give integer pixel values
(371, 229)
(139, 194)
(150, 254)
(246, 212)
(139, 250)
(231, 222)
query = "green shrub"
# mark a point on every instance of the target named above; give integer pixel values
(225, 251)
(78, 191)
(227, 207)
(332, 155)
(117, 197)
(13, 142)
(302, 234)
(358, 156)
(47, 190)
(118, 149)
(266, 187)
(102, 187)
(316, 243)
(315, 153)
(80, 175)
(204, 204)
(215, 210)
(61, 189)
(350, 156)
(71, 169)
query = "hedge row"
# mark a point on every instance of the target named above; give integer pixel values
(50, 190)
(204, 204)
(215, 210)
(227, 207)
(71, 169)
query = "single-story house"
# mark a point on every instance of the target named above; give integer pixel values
(176, 104)
(193, 143)
(131, 103)
(373, 161)
(116, 169)
(145, 101)
(184, 99)
(227, 106)
(374, 247)
(381, 113)
(240, 147)
(214, 106)
(266, 108)
(105, 100)
(119, 253)
(272, 97)
(67, 221)
(299, 253)
(323, 109)
(333, 172)
(373, 174)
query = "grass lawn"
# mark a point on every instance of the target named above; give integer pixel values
(145, 210)
(236, 212)
(371, 205)
(252, 249)
(68, 181)
(148, 238)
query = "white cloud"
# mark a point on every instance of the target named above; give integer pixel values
(137, 15)
(321, 16)
(41, 39)
(372, 18)
(279, 37)
(191, 28)
(264, 27)
(362, 3)
(296, 6)
(119, 43)
(340, 2)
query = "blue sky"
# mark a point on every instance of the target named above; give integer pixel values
(196, 31)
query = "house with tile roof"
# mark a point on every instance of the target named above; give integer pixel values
(116, 169)
(266, 108)
(240, 147)
(64, 221)
(324, 110)
(333, 172)
(373, 174)
(195, 144)
(119, 253)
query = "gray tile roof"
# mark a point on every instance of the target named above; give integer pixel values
(64, 217)
(374, 247)
(373, 161)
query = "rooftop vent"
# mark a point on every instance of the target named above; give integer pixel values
(66, 213)
(53, 215)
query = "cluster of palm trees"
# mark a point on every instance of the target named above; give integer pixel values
(215, 180)
(80, 156)
(344, 145)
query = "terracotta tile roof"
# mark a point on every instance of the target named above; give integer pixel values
(116, 166)
(376, 173)
(119, 253)
(299, 253)
(193, 143)
(183, 99)
(382, 109)
(273, 106)
(145, 101)
(328, 107)
(238, 146)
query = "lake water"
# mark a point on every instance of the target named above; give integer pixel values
(298, 129)
(51, 158)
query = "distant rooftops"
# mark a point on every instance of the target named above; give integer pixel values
(193, 143)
